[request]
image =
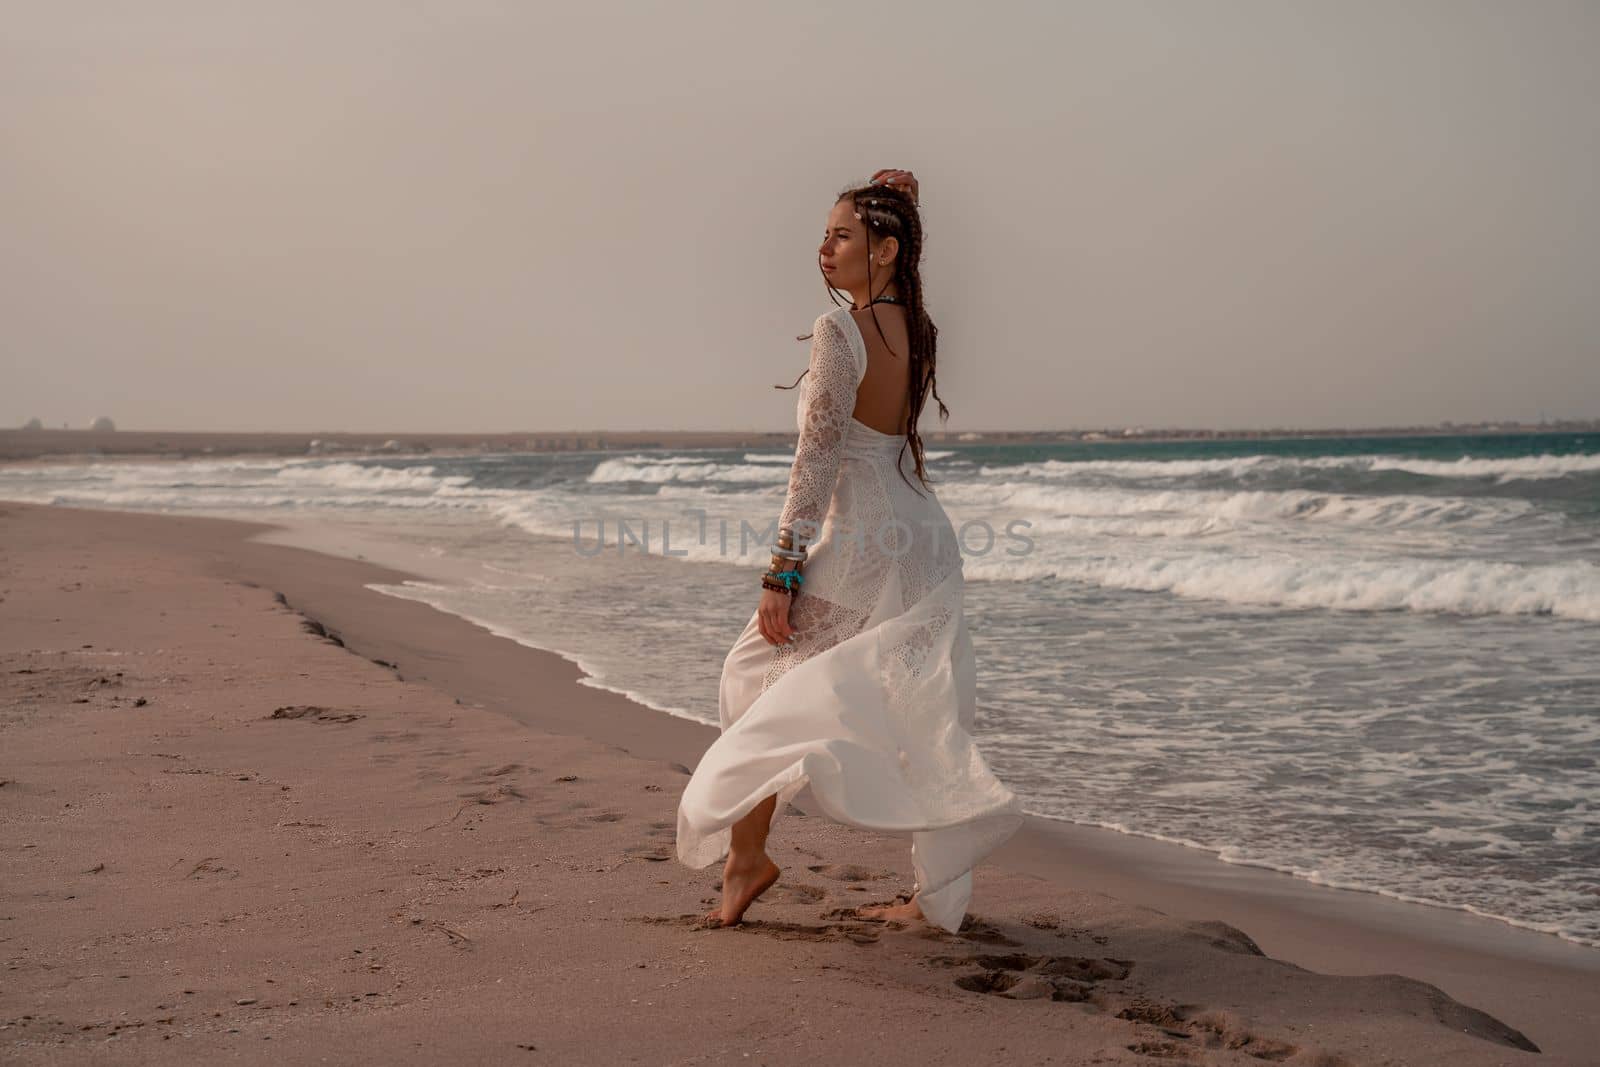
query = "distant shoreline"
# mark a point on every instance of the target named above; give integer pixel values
(23, 445)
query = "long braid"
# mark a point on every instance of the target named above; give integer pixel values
(890, 212)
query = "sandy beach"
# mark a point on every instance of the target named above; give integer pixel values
(255, 810)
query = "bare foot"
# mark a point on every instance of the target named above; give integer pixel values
(892, 912)
(742, 883)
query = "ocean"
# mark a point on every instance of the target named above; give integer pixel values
(1371, 663)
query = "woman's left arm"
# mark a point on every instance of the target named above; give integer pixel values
(830, 398)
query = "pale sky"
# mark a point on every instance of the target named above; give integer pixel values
(483, 217)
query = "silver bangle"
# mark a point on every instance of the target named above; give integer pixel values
(787, 553)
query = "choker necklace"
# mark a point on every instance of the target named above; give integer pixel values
(886, 299)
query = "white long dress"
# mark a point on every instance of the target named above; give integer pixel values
(874, 702)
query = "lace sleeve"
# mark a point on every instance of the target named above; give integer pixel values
(829, 400)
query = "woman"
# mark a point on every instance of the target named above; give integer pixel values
(856, 672)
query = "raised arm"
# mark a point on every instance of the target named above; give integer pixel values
(830, 398)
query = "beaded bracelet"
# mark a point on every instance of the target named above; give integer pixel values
(790, 579)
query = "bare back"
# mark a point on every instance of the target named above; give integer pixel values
(883, 399)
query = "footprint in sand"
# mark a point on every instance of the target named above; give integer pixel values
(972, 927)
(1198, 1028)
(653, 853)
(1162, 1050)
(849, 872)
(976, 929)
(1020, 976)
(568, 817)
(794, 893)
(502, 792)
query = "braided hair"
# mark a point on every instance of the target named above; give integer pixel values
(890, 212)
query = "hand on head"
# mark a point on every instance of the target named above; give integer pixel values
(900, 179)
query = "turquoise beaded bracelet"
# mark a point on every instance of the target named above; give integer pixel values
(790, 579)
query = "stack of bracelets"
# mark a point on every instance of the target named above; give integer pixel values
(784, 574)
